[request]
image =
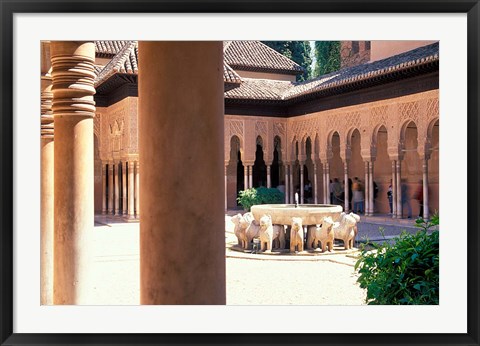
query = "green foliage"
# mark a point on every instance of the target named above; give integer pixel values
(327, 57)
(298, 51)
(405, 272)
(261, 195)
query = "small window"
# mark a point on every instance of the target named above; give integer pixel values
(355, 47)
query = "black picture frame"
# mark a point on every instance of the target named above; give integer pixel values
(9, 8)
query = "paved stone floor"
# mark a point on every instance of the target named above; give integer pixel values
(251, 279)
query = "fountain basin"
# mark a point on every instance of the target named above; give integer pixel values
(311, 214)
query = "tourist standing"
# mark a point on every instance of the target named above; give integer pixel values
(358, 196)
(390, 196)
(419, 197)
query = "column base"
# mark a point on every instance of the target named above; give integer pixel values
(104, 212)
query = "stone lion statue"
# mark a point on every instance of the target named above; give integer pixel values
(241, 224)
(345, 229)
(269, 232)
(357, 219)
(252, 231)
(323, 234)
(296, 234)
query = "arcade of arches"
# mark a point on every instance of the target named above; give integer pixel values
(91, 153)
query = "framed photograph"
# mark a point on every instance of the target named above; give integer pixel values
(446, 30)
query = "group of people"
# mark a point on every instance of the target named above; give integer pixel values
(356, 194)
(405, 197)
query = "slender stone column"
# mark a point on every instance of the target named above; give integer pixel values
(394, 189)
(347, 192)
(367, 190)
(73, 108)
(315, 186)
(269, 179)
(47, 195)
(245, 177)
(226, 204)
(324, 176)
(111, 189)
(124, 187)
(292, 188)
(371, 190)
(178, 265)
(250, 176)
(137, 189)
(302, 183)
(287, 185)
(117, 188)
(104, 188)
(398, 169)
(327, 173)
(426, 211)
(131, 190)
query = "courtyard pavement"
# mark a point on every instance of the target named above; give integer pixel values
(251, 279)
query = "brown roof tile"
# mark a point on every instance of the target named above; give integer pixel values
(256, 56)
(109, 47)
(259, 89)
(126, 61)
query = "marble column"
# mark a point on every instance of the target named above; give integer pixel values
(124, 188)
(177, 266)
(287, 185)
(315, 186)
(269, 179)
(394, 189)
(347, 192)
(250, 176)
(398, 174)
(226, 190)
(426, 211)
(104, 188)
(47, 194)
(137, 189)
(327, 178)
(302, 183)
(117, 188)
(366, 195)
(131, 190)
(110, 188)
(245, 177)
(371, 189)
(324, 177)
(292, 188)
(73, 109)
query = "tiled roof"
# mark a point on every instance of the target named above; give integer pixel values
(408, 59)
(256, 56)
(109, 47)
(126, 61)
(269, 89)
(229, 75)
(259, 89)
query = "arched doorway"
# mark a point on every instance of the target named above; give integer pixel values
(259, 167)
(235, 173)
(383, 171)
(276, 174)
(411, 173)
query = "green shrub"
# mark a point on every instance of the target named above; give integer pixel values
(261, 195)
(405, 272)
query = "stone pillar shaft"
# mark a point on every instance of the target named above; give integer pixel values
(104, 188)
(131, 190)
(124, 188)
(269, 179)
(347, 192)
(315, 182)
(292, 188)
(398, 169)
(245, 177)
(110, 188)
(394, 189)
(179, 264)
(47, 195)
(327, 173)
(73, 108)
(367, 189)
(116, 175)
(250, 176)
(302, 184)
(137, 189)
(371, 189)
(426, 211)
(287, 185)
(226, 199)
